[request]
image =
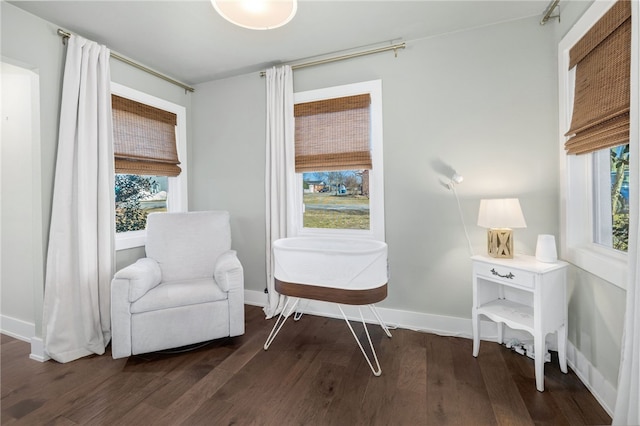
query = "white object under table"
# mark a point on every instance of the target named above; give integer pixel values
(524, 294)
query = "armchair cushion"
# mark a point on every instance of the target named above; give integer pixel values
(179, 293)
(176, 242)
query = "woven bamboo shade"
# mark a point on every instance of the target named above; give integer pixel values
(144, 139)
(333, 134)
(602, 90)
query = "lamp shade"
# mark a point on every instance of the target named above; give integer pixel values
(257, 14)
(501, 213)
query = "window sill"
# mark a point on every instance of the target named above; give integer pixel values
(132, 239)
(608, 264)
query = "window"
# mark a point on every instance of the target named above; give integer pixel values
(137, 196)
(595, 117)
(611, 197)
(150, 154)
(340, 200)
(338, 161)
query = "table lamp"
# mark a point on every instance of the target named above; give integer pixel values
(499, 216)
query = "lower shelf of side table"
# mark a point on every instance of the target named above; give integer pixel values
(513, 314)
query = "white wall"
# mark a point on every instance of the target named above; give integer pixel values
(20, 212)
(227, 165)
(481, 101)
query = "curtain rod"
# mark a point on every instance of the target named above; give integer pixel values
(549, 10)
(393, 47)
(127, 61)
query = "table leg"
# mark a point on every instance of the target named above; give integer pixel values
(500, 326)
(475, 323)
(540, 350)
(562, 348)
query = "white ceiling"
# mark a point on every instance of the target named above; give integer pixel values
(189, 41)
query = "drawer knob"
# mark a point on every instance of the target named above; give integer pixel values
(508, 276)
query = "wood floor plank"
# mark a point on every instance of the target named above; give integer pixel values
(182, 408)
(397, 398)
(140, 415)
(473, 393)
(441, 402)
(508, 406)
(113, 399)
(307, 400)
(336, 342)
(180, 381)
(542, 406)
(412, 361)
(178, 411)
(351, 391)
(269, 370)
(313, 374)
(59, 384)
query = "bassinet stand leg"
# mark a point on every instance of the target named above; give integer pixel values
(377, 371)
(280, 321)
(380, 321)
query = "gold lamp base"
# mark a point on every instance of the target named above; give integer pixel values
(500, 243)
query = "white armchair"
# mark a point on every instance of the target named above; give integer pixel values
(189, 288)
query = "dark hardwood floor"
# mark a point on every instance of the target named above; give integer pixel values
(313, 374)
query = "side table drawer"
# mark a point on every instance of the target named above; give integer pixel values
(506, 275)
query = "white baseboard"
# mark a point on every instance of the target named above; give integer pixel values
(255, 298)
(25, 331)
(37, 350)
(602, 390)
(16, 328)
(394, 318)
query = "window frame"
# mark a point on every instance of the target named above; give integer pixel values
(376, 174)
(578, 174)
(178, 191)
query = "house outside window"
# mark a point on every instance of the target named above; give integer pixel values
(339, 169)
(340, 203)
(150, 154)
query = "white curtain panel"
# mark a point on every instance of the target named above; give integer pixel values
(80, 259)
(627, 411)
(279, 170)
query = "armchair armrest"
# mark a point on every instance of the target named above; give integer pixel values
(142, 276)
(228, 272)
(229, 275)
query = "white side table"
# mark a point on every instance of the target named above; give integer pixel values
(525, 295)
